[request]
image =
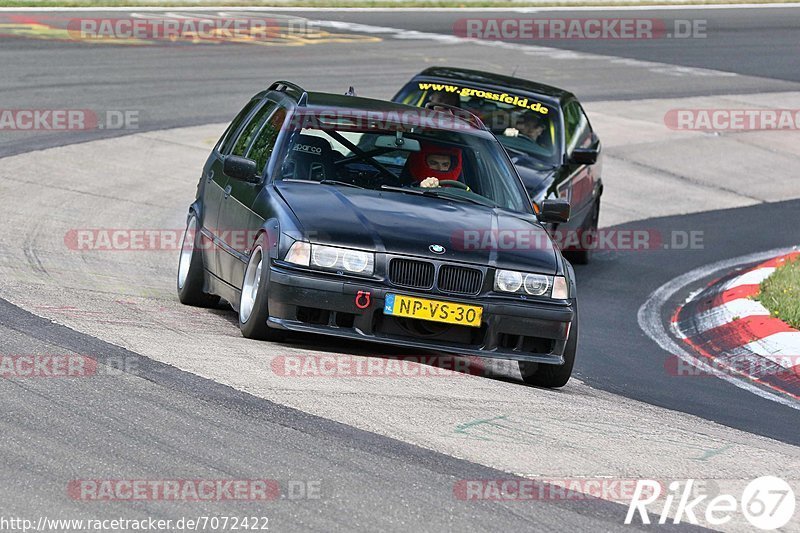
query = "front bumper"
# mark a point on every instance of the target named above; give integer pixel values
(529, 331)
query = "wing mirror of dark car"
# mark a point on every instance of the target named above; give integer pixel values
(554, 210)
(240, 168)
(585, 156)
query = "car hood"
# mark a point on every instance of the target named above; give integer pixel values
(535, 178)
(406, 224)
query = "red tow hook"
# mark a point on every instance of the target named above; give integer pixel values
(363, 299)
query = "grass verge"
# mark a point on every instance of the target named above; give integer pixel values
(780, 293)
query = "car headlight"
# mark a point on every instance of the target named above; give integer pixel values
(531, 284)
(324, 256)
(507, 281)
(331, 258)
(299, 253)
(536, 284)
(357, 261)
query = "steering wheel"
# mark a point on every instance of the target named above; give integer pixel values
(454, 183)
(525, 137)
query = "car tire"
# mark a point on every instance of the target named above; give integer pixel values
(190, 270)
(584, 256)
(253, 309)
(553, 376)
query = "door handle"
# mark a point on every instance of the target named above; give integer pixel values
(227, 191)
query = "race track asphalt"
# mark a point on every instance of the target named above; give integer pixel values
(161, 421)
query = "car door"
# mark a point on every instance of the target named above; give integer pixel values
(578, 186)
(238, 222)
(214, 183)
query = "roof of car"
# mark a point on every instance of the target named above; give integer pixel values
(489, 78)
(354, 102)
(317, 100)
(320, 99)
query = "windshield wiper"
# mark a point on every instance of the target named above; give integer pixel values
(436, 193)
(336, 182)
(402, 189)
(439, 194)
(323, 182)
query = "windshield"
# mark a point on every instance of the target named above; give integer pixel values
(527, 128)
(403, 157)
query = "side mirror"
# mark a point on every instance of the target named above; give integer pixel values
(555, 210)
(240, 168)
(585, 156)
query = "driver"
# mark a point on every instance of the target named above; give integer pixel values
(433, 163)
(443, 98)
(529, 124)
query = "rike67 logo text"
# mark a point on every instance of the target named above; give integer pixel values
(767, 503)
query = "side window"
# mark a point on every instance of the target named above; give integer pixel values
(225, 142)
(251, 128)
(585, 130)
(265, 142)
(576, 124)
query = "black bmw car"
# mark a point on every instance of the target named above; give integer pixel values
(370, 220)
(546, 133)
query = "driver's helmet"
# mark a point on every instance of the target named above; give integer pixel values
(419, 163)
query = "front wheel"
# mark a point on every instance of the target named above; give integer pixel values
(553, 376)
(190, 270)
(253, 310)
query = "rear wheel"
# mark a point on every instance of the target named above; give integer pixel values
(553, 376)
(190, 270)
(253, 310)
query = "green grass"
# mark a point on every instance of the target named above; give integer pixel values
(780, 293)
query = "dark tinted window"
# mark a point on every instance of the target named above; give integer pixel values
(250, 130)
(224, 144)
(265, 141)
